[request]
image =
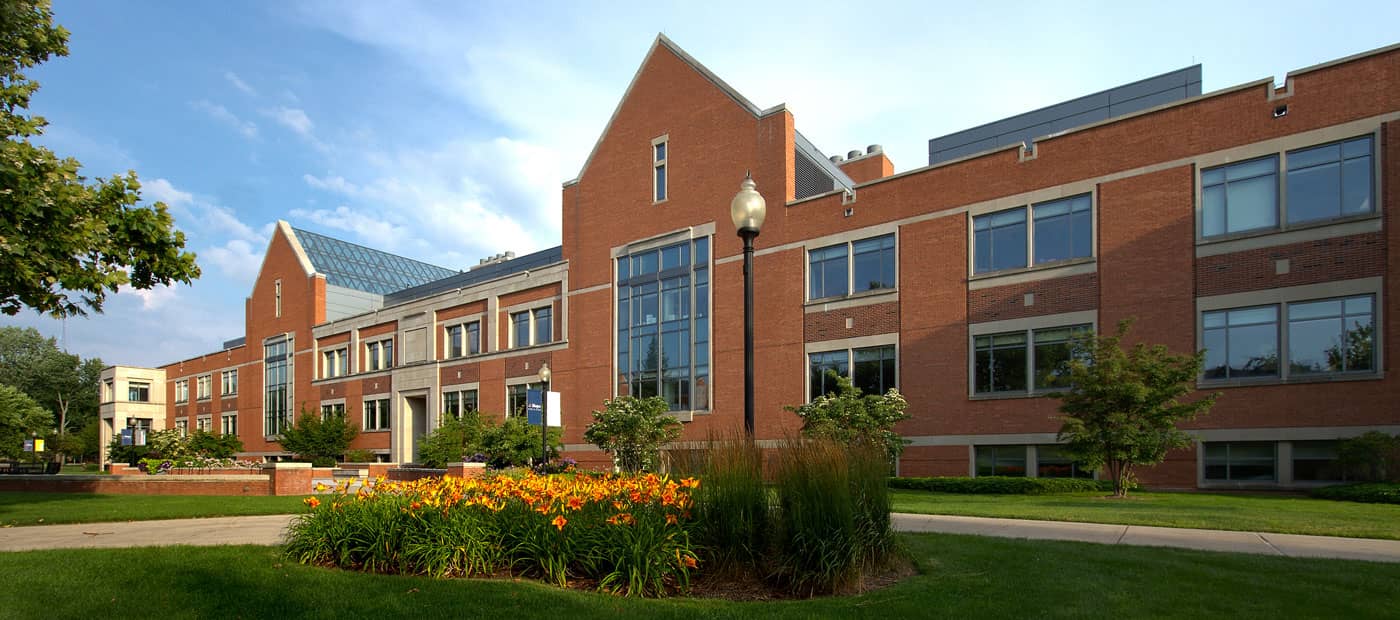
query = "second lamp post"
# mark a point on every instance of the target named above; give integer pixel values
(747, 210)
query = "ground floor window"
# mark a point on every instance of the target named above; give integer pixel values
(336, 410)
(1241, 461)
(1316, 461)
(515, 397)
(204, 424)
(229, 423)
(1001, 460)
(376, 415)
(1052, 462)
(457, 402)
(875, 370)
(183, 426)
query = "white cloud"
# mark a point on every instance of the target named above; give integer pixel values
(239, 83)
(152, 298)
(334, 184)
(247, 129)
(161, 190)
(294, 119)
(238, 259)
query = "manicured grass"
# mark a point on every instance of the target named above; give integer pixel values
(84, 469)
(1257, 513)
(22, 508)
(962, 576)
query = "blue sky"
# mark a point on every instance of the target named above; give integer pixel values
(442, 131)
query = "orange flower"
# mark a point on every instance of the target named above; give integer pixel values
(312, 502)
(690, 483)
(575, 503)
(670, 519)
(415, 506)
(689, 561)
(559, 522)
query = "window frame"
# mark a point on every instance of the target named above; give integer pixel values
(660, 169)
(204, 386)
(379, 409)
(1282, 300)
(1028, 207)
(335, 362)
(379, 354)
(458, 393)
(138, 387)
(279, 415)
(228, 382)
(1280, 153)
(531, 324)
(182, 390)
(848, 260)
(848, 349)
(1028, 328)
(228, 423)
(697, 245)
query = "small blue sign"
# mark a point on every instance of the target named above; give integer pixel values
(533, 406)
(126, 437)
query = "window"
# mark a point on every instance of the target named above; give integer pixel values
(1064, 229)
(464, 339)
(377, 415)
(515, 397)
(228, 381)
(277, 298)
(1316, 461)
(1240, 461)
(1331, 336)
(1001, 460)
(183, 426)
(333, 410)
(875, 369)
(335, 363)
(1329, 181)
(520, 327)
(379, 355)
(277, 386)
(1239, 197)
(457, 402)
(663, 324)
(182, 390)
(205, 385)
(658, 164)
(871, 267)
(1023, 361)
(204, 424)
(229, 420)
(1052, 462)
(137, 391)
(1322, 182)
(544, 332)
(1323, 337)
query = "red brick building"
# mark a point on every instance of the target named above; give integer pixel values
(1251, 222)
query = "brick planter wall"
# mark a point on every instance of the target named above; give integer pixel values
(140, 484)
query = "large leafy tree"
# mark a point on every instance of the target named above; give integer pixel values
(62, 383)
(20, 418)
(1122, 407)
(633, 430)
(67, 241)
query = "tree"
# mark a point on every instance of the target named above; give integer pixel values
(65, 384)
(318, 439)
(455, 441)
(209, 445)
(850, 418)
(633, 430)
(1122, 407)
(61, 235)
(20, 418)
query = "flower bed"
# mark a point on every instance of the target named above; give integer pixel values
(628, 533)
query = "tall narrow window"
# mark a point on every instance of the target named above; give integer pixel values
(473, 338)
(229, 382)
(663, 324)
(277, 395)
(544, 330)
(520, 325)
(658, 163)
(454, 341)
(277, 298)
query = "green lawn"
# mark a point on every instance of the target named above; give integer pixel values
(962, 576)
(1260, 513)
(22, 508)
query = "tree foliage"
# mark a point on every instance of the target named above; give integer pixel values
(20, 419)
(65, 384)
(512, 443)
(633, 430)
(1370, 457)
(62, 235)
(214, 446)
(1122, 407)
(316, 439)
(851, 418)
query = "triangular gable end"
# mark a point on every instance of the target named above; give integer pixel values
(285, 230)
(663, 41)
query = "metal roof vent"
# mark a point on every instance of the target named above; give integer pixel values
(835, 159)
(854, 154)
(873, 149)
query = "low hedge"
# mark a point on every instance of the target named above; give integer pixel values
(1001, 485)
(1369, 492)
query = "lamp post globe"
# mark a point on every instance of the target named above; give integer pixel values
(747, 211)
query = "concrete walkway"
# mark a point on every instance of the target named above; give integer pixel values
(268, 530)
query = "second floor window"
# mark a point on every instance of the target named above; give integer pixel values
(464, 339)
(138, 391)
(1324, 182)
(855, 267)
(379, 355)
(228, 380)
(376, 415)
(205, 386)
(531, 327)
(335, 363)
(1323, 337)
(1023, 360)
(182, 390)
(1062, 229)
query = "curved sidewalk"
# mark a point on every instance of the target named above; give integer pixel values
(268, 530)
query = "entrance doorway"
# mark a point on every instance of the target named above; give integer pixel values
(417, 418)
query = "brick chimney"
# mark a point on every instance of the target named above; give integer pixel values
(868, 166)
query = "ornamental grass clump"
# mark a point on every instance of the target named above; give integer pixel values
(629, 534)
(732, 507)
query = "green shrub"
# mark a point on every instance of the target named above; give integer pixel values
(515, 443)
(633, 431)
(1368, 492)
(1371, 457)
(1001, 485)
(209, 445)
(846, 416)
(359, 456)
(312, 438)
(456, 440)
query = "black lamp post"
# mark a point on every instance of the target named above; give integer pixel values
(544, 416)
(747, 210)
